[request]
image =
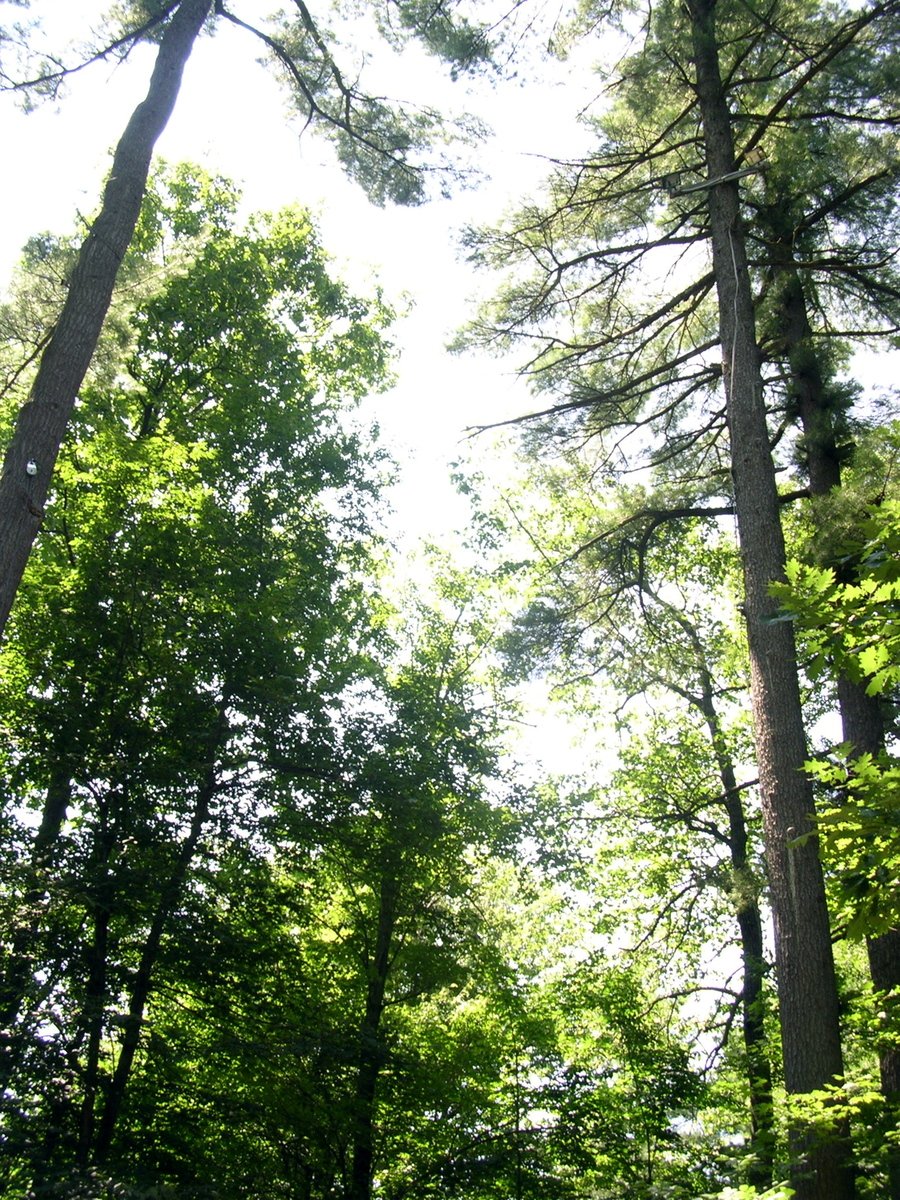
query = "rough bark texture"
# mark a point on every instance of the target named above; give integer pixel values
(807, 990)
(861, 715)
(42, 422)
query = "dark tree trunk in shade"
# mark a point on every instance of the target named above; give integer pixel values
(102, 898)
(807, 989)
(861, 714)
(863, 729)
(18, 975)
(42, 422)
(371, 1053)
(115, 1092)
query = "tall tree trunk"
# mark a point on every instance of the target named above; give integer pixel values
(759, 1067)
(42, 422)
(14, 981)
(140, 992)
(807, 988)
(371, 1055)
(746, 902)
(102, 893)
(863, 728)
(861, 715)
(18, 975)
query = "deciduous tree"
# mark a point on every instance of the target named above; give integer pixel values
(194, 614)
(379, 143)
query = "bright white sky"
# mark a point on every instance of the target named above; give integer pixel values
(232, 117)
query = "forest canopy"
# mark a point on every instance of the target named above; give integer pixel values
(294, 902)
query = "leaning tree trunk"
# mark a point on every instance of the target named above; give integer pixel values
(42, 422)
(807, 989)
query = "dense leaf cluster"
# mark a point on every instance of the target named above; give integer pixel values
(264, 931)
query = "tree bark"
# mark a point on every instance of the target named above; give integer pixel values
(807, 989)
(42, 422)
(758, 1065)
(102, 897)
(370, 1050)
(863, 728)
(861, 714)
(18, 975)
(140, 992)
(746, 903)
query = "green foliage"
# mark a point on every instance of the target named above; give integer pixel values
(606, 291)
(281, 797)
(190, 621)
(136, 21)
(182, 204)
(386, 146)
(451, 37)
(852, 626)
(780, 1192)
(266, 843)
(847, 622)
(392, 148)
(858, 827)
